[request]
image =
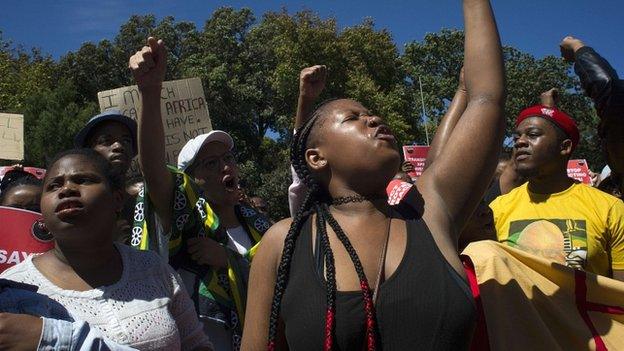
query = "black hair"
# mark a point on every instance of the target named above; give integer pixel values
(22, 181)
(113, 179)
(316, 202)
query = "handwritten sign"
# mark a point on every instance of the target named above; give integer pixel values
(183, 108)
(416, 155)
(11, 136)
(579, 170)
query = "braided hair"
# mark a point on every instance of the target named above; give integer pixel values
(316, 202)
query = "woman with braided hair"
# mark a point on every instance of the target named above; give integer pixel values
(348, 271)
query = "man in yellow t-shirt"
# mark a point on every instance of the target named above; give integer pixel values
(551, 215)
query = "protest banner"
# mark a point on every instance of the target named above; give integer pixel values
(11, 136)
(21, 234)
(579, 170)
(183, 107)
(416, 155)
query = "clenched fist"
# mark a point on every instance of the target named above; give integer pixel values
(312, 81)
(569, 45)
(149, 65)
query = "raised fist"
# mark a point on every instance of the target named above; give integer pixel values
(568, 47)
(550, 98)
(312, 81)
(149, 65)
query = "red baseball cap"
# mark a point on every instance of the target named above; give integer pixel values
(554, 115)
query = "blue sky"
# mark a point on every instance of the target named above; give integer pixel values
(530, 25)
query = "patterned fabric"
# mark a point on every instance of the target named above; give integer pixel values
(219, 294)
(532, 303)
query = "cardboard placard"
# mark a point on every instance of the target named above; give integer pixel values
(11, 136)
(579, 170)
(21, 235)
(416, 155)
(183, 108)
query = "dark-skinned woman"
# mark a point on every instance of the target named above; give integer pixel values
(133, 298)
(348, 272)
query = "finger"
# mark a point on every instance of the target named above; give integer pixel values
(147, 56)
(153, 45)
(162, 53)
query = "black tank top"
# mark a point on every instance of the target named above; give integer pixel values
(424, 305)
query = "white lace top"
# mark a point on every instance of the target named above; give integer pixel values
(147, 309)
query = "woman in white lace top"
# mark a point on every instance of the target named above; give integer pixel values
(133, 298)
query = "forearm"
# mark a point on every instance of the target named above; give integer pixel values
(596, 74)
(63, 335)
(448, 123)
(152, 156)
(483, 63)
(304, 108)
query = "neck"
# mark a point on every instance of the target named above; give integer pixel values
(351, 203)
(97, 265)
(550, 184)
(227, 215)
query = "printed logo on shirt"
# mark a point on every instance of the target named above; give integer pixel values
(562, 240)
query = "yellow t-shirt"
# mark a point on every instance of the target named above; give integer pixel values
(581, 226)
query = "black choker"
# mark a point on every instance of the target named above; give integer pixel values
(356, 198)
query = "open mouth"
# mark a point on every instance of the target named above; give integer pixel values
(383, 132)
(69, 208)
(230, 183)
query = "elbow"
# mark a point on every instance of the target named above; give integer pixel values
(493, 98)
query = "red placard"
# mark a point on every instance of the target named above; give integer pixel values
(579, 170)
(21, 235)
(416, 155)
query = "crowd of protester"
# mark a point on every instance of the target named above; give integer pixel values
(181, 257)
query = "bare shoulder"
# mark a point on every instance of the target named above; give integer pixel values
(272, 243)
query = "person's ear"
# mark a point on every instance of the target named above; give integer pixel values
(566, 147)
(315, 159)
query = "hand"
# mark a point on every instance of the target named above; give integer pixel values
(462, 85)
(407, 167)
(312, 81)
(569, 45)
(149, 65)
(550, 98)
(207, 251)
(19, 331)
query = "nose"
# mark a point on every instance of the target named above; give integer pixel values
(374, 121)
(118, 146)
(69, 189)
(521, 141)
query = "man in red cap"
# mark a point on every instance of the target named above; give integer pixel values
(552, 215)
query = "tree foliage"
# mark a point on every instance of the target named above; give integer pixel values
(250, 68)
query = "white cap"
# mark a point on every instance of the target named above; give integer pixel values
(191, 148)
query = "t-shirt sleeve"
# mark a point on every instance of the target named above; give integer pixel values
(616, 229)
(190, 328)
(496, 207)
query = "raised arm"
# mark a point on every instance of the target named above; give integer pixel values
(311, 85)
(449, 121)
(148, 67)
(456, 181)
